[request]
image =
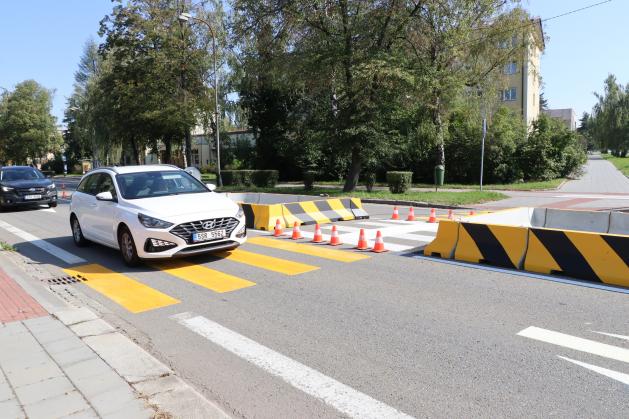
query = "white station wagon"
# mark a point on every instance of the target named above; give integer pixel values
(153, 211)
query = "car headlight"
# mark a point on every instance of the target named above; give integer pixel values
(152, 222)
(52, 186)
(7, 189)
(240, 213)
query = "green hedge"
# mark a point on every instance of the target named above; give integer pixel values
(399, 182)
(260, 178)
(265, 178)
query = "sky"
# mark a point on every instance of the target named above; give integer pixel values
(43, 40)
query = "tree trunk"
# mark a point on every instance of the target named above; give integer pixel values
(136, 151)
(438, 122)
(354, 171)
(168, 146)
(188, 156)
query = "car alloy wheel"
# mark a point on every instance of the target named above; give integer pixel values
(127, 248)
(77, 233)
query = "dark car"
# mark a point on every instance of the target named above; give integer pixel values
(25, 185)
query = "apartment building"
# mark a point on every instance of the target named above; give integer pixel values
(522, 81)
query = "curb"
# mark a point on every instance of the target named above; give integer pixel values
(417, 204)
(153, 381)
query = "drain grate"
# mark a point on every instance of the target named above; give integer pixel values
(67, 280)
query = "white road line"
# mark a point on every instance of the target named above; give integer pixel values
(618, 376)
(57, 252)
(612, 335)
(341, 397)
(576, 343)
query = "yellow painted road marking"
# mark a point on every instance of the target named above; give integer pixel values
(270, 263)
(205, 277)
(129, 293)
(306, 249)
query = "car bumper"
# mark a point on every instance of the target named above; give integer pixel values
(14, 200)
(179, 247)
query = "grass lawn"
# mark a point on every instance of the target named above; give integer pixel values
(621, 163)
(442, 198)
(521, 186)
(208, 177)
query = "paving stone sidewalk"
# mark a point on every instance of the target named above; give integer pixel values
(62, 361)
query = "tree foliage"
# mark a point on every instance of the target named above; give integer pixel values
(27, 128)
(608, 125)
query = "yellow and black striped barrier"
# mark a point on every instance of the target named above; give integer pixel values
(591, 256)
(497, 245)
(324, 211)
(584, 255)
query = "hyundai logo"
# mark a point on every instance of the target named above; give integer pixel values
(208, 225)
(32, 190)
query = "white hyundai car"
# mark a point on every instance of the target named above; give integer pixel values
(153, 211)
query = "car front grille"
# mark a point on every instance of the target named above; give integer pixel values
(186, 230)
(29, 191)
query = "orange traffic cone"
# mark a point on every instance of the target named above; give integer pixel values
(362, 241)
(318, 236)
(472, 212)
(411, 215)
(335, 240)
(296, 232)
(378, 246)
(450, 215)
(396, 214)
(277, 232)
(433, 216)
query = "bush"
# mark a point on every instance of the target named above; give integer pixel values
(369, 180)
(309, 179)
(207, 169)
(237, 177)
(265, 178)
(399, 182)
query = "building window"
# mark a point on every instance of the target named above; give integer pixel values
(509, 95)
(511, 68)
(195, 157)
(508, 43)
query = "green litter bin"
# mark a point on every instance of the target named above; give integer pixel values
(439, 175)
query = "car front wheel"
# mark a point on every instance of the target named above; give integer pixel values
(127, 247)
(77, 233)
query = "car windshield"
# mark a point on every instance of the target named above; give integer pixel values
(154, 184)
(21, 174)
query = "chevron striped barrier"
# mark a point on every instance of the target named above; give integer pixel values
(590, 255)
(497, 245)
(584, 255)
(324, 211)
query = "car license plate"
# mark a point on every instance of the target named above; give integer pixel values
(32, 197)
(208, 235)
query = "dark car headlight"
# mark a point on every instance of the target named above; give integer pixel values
(52, 187)
(7, 189)
(152, 222)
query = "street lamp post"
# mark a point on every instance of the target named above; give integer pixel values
(185, 17)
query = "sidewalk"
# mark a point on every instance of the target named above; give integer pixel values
(58, 361)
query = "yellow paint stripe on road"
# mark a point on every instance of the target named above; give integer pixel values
(306, 249)
(269, 263)
(202, 276)
(129, 293)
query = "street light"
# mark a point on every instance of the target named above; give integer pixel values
(184, 18)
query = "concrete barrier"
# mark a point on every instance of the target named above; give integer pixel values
(582, 244)
(445, 242)
(619, 223)
(592, 221)
(497, 245)
(263, 210)
(584, 255)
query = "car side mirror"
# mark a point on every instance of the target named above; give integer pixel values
(105, 196)
(211, 186)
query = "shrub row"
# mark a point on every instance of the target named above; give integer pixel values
(259, 178)
(399, 182)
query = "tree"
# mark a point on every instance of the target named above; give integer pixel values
(543, 102)
(460, 44)
(609, 122)
(87, 133)
(155, 89)
(27, 128)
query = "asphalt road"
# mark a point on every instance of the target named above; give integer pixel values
(373, 337)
